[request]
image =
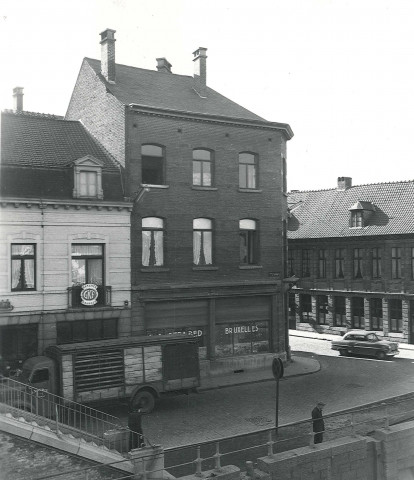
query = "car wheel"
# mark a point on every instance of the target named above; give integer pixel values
(343, 352)
(381, 355)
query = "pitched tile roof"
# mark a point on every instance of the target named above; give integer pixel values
(169, 91)
(39, 140)
(325, 213)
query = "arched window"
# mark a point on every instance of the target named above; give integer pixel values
(202, 168)
(248, 241)
(247, 170)
(152, 242)
(202, 241)
(153, 165)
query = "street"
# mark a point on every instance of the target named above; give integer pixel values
(342, 383)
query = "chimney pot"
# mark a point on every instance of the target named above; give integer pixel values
(163, 65)
(344, 183)
(18, 99)
(200, 71)
(108, 54)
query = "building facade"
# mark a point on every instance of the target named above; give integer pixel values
(353, 250)
(64, 236)
(207, 234)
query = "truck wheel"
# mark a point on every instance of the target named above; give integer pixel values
(143, 400)
(381, 355)
(343, 352)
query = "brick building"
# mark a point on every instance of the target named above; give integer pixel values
(353, 249)
(64, 223)
(207, 236)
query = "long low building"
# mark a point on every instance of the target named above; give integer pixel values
(352, 247)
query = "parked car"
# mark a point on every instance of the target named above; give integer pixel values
(362, 342)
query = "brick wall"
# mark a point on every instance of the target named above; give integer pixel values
(101, 113)
(179, 204)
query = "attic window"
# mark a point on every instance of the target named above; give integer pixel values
(357, 219)
(87, 178)
(361, 212)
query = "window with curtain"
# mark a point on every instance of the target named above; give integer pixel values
(358, 270)
(152, 242)
(87, 264)
(202, 241)
(153, 165)
(339, 262)
(23, 266)
(248, 241)
(88, 184)
(202, 168)
(357, 218)
(247, 170)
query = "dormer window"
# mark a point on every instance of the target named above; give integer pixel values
(361, 212)
(357, 218)
(87, 178)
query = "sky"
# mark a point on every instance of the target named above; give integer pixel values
(339, 72)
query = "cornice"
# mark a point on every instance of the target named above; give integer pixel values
(7, 202)
(209, 118)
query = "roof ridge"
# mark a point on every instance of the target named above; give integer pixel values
(353, 186)
(26, 113)
(140, 68)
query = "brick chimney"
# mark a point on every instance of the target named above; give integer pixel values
(108, 54)
(163, 65)
(18, 99)
(200, 71)
(344, 183)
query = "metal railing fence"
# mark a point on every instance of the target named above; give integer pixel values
(63, 416)
(213, 455)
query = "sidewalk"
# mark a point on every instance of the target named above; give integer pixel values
(297, 366)
(329, 337)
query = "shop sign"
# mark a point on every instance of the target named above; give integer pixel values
(89, 294)
(241, 329)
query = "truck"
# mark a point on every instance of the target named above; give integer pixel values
(134, 369)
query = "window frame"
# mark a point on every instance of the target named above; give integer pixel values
(339, 314)
(322, 262)
(22, 259)
(251, 244)
(89, 257)
(305, 315)
(243, 167)
(322, 309)
(203, 163)
(376, 320)
(152, 244)
(306, 262)
(396, 263)
(376, 267)
(395, 306)
(339, 263)
(357, 313)
(202, 242)
(291, 262)
(72, 326)
(88, 164)
(358, 263)
(357, 219)
(146, 157)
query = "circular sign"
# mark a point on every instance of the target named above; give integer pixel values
(89, 294)
(277, 368)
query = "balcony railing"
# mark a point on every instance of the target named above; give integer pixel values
(104, 297)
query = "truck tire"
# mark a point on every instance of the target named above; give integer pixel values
(343, 352)
(143, 400)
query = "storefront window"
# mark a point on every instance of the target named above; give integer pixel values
(242, 339)
(199, 332)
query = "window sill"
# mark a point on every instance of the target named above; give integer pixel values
(250, 267)
(200, 187)
(149, 185)
(24, 292)
(250, 190)
(155, 269)
(204, 267)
